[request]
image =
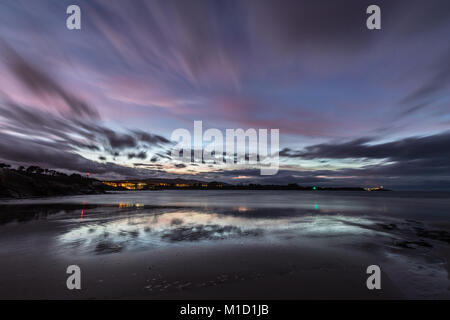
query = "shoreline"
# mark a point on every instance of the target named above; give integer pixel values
(231, 245)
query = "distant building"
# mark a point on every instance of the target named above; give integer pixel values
(126, 185)
(374, 188)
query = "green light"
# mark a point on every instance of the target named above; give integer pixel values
(314, 188)
(316, 206)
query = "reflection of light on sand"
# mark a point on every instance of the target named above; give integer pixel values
(144, 229)
(130, 205)
(336, 225)
(157, 223)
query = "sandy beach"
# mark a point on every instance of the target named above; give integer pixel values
(193, 250)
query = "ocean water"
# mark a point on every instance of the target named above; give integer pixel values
(405, 233)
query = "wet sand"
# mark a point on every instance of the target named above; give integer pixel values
(231, 272)
(138, 251)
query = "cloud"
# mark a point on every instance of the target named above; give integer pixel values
(309, 68)
(409, 175)
(119, 141)
(411, 163)
(57, 156)
(42, 85)
(141, 155)
(414, 148)
(82, 134)
(211, 40)
(151, 139)
(33, 136)
(38, 137)
(428, 91)
(328, 24)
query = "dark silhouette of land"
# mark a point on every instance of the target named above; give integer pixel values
(177, 184)
(37, 182)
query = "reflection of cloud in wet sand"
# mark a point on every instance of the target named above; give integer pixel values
(146, 230)
(207, 232)
(405, 249)
(186, 233)
(182, 225)
(108, 247)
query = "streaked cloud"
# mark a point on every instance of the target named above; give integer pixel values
(110, 95)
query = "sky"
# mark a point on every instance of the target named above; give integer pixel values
(355, 107)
